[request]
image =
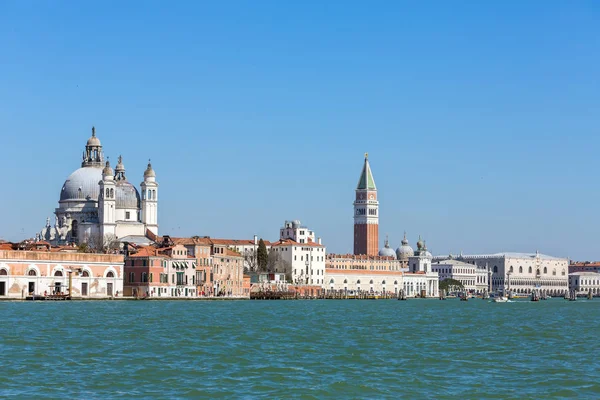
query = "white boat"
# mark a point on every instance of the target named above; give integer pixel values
(500, 299)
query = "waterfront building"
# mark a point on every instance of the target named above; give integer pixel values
(585, 282)
(226, 265)
(457, 270)
(227, 271)
(521, 273)
(383, 274)
(366, 213)
(38, 269)
(303, 257)
(349, 272)
(97, 203)
(162, 272)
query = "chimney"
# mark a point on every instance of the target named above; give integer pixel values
(319, 239)
(255, 239)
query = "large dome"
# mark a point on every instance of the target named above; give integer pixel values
(126, 195)
(82, 184)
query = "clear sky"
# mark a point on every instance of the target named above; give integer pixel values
(481, 118)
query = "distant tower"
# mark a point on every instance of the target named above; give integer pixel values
(107, 202)
(150, 200)
(366, 213)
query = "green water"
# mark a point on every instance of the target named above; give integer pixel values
(300, 349)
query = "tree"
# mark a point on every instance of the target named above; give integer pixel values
(262, 256)
(277, 264)
(97, 243)
(451, 285)
(250, 260)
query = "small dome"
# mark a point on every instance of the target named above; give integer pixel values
(93, 140)
(120, 166)
(82, 184)
(107, 171)
(149, 172)
(420, 244)
(387, 251)
(404, 251)
(126, 195)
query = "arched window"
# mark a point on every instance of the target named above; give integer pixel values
(563, 272)
(511, 268)
(3, 272)
(107, 193)
(545, 270)
(520, 270)
(85, 274)
(383, 283)
(345, 280)
(554, 271)
(395, 282)
(495, 269)
(131, 277)
(112, 193)
(371, 281)
(332, 282)
(144, 277)
(530, 270)
(110, 274)
(58, 273)
(32, 272)
(74, 229)
(358, 282)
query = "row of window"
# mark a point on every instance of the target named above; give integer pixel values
(33, 272)
(530, 270)
(179, 277)
(319, 258)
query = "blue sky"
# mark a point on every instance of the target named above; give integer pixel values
(481, 119)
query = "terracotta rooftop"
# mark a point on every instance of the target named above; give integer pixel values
(290, 242)
(585, 264)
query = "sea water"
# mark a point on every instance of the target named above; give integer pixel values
(312, 349)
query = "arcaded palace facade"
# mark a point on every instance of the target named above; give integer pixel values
(96, 200)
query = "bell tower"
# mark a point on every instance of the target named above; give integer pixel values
(107, 202)
(150, 200)
(366, 213)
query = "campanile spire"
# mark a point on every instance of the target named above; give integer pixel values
(366, 213)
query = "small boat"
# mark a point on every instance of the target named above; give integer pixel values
(500, 299)
(535, 296)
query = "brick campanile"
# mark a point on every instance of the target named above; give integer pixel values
(366, 213)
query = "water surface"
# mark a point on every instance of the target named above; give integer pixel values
(300, 349)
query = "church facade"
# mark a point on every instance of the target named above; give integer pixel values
(99, 202)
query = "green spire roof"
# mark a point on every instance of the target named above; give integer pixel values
(366, 181)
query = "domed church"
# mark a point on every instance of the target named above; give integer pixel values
(96, 201)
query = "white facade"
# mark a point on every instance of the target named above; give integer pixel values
(306, 261)
(521, 273)
(457, 270)
(584, 282)
(423, 284)
(364, 280)
(95, 203)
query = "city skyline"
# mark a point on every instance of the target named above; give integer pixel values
(479, 141)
